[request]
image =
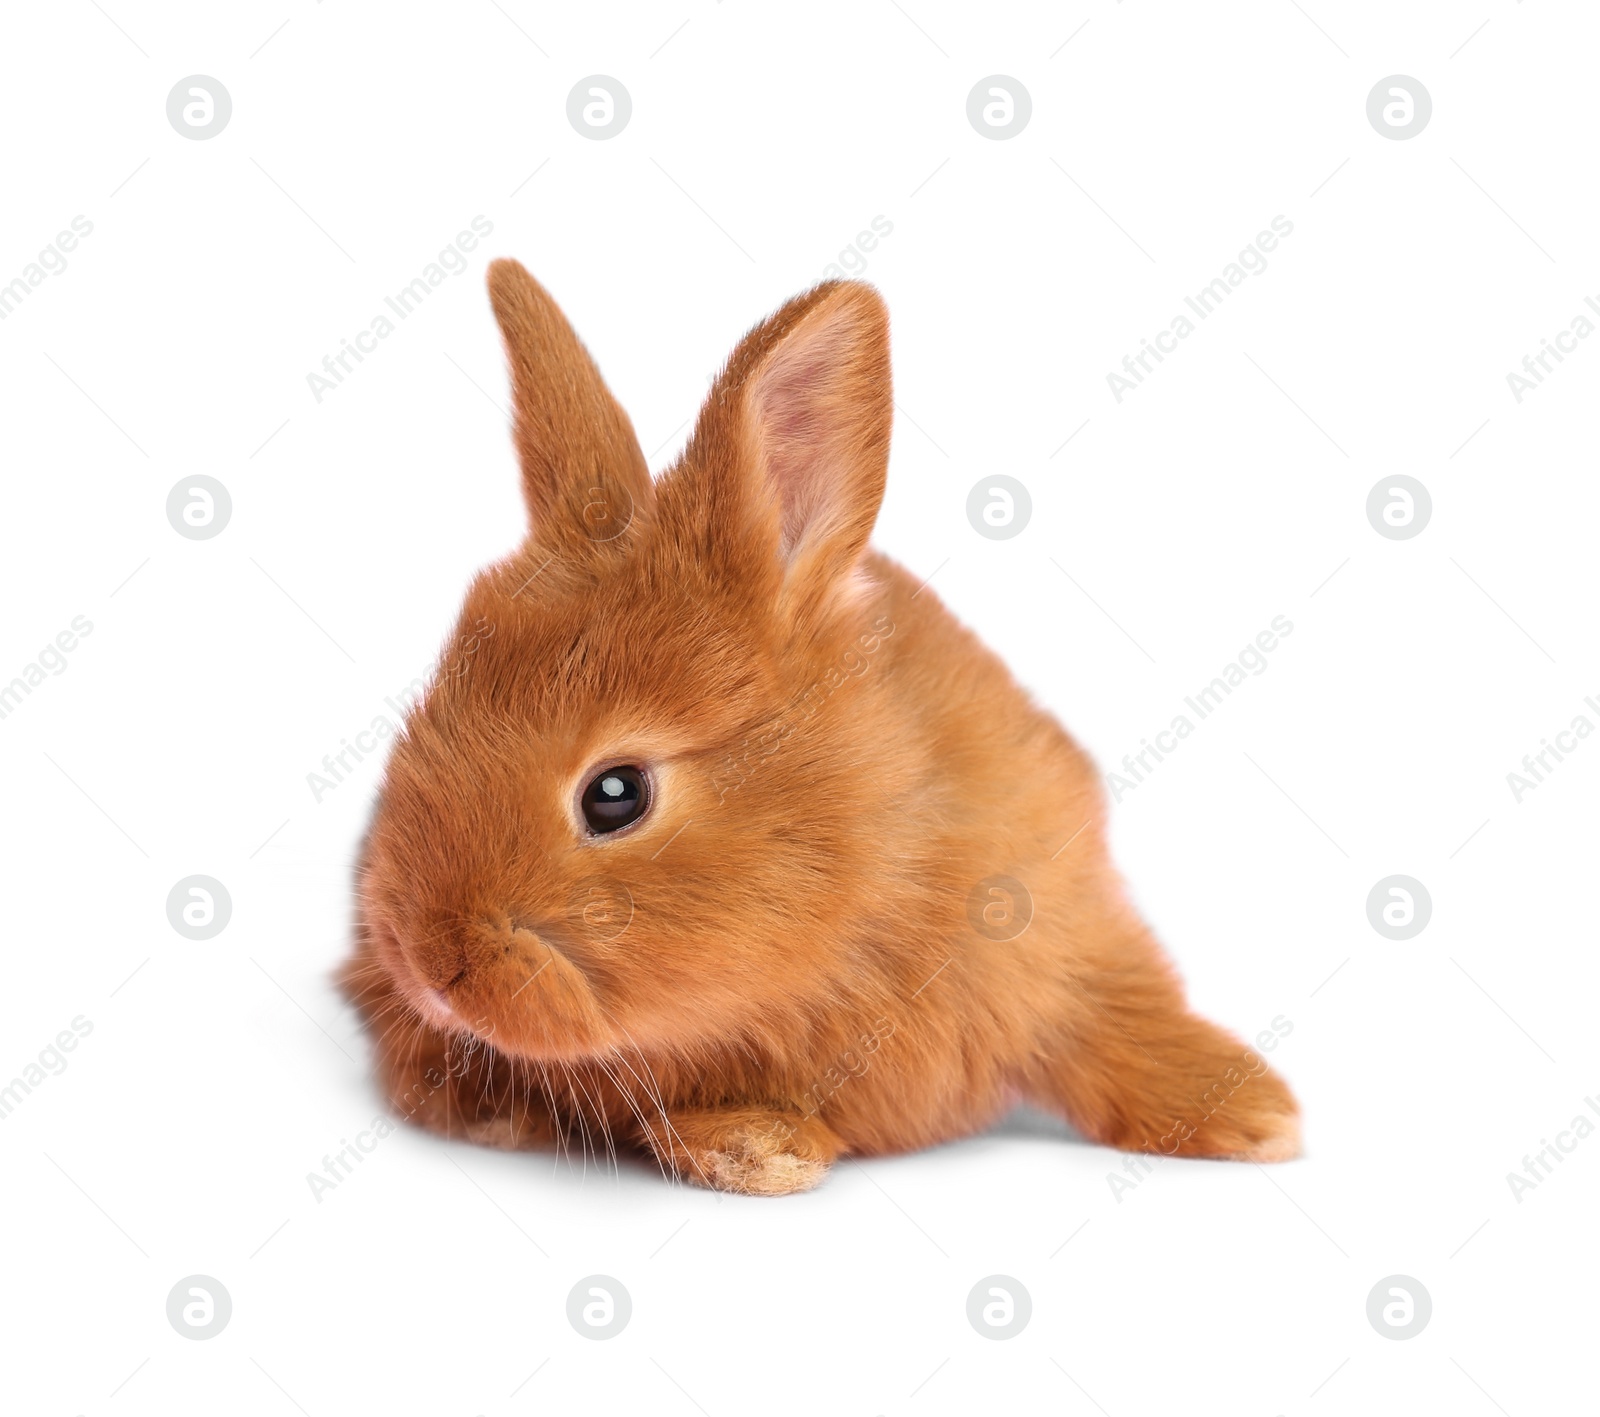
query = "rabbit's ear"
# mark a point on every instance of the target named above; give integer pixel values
(806, 404)
(583, 474)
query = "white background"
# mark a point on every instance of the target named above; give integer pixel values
(1226, 490)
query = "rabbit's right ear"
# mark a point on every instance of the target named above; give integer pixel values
(583, 474)
(792, 447)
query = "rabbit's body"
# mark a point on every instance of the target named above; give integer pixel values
(801, 948)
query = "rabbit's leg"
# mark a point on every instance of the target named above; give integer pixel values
(1130, 1066)
(754, 1150)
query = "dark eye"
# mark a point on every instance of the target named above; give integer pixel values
(618, 797)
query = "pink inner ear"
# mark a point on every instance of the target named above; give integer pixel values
(803, 411)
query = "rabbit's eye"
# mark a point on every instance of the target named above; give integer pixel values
(618, 797)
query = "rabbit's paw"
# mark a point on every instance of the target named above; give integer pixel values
(1221, 1108)
(752, 1152)
(1174, 1084)
(1263, 1125)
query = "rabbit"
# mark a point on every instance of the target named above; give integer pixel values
(717, 838)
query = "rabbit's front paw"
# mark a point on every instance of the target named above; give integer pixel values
(751, 1152)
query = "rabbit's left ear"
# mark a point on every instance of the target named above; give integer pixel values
(583, 474)
(801, 419)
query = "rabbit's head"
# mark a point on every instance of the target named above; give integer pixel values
(635, 806)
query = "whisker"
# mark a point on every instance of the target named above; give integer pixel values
(633, 1107)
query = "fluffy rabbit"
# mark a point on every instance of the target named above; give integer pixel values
(717, 837)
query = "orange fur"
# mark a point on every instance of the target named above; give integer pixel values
(775, 966)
